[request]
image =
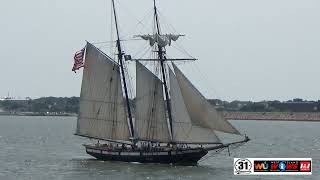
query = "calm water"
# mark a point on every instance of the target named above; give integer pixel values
(44, 148)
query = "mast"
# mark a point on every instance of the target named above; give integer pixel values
(161, 55)
(120, 57)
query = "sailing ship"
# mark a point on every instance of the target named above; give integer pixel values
(172, 121)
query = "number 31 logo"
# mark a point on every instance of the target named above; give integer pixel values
(242, 166)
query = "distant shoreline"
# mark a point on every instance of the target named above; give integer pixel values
(37, 114)
(273, 116)
(238, 116)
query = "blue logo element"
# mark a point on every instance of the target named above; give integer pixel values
(282, 166)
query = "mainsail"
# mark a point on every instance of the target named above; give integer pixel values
(150, 119)
(201, 112)
(184, 129)
(102, 113)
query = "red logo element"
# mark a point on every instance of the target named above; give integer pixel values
(305, 166)
(293, 166)
(274, 166)
(290, 166)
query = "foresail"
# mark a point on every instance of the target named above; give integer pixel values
(183, 128)
(102, 113)
(201, 112)
(150, 119)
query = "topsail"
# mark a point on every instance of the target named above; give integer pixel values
(161, 40)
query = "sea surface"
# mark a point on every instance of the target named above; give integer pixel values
(45, 148)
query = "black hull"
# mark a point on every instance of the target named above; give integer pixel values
(181, 157)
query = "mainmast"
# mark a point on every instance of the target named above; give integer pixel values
(120, 58)
(162, 58)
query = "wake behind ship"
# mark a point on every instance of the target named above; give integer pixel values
(172, 121)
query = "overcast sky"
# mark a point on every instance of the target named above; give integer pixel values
(247, 49)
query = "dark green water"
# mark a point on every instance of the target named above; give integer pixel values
(45, 148)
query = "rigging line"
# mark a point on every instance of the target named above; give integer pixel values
(168, 24)
(136, 29)
(144, 27)
(212, 154)
(104, 48)
(197, 71)
(182, 49)
(103, 42)
(144, 47)
(132, 39)
(105, 45)
(175, 31)
(182, 52)
(130, 79)
(143, 51)
(132, 15)
(210, 88)
(113, 41)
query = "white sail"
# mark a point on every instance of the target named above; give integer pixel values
(161, 40)
(150, 119)
(201, 112)
(184, 130)
(102, 113)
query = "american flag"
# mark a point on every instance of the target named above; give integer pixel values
(78, 60)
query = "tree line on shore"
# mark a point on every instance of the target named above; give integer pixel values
(71, 105)
(45, 104)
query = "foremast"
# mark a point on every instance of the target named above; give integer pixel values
(120, 58)
(162, 58)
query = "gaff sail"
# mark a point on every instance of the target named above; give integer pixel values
(150, 119)
(102, 112)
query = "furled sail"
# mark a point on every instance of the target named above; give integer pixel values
(162, 40)
(184, 130)
(102, 112)
(201, 112)
(150, 119)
